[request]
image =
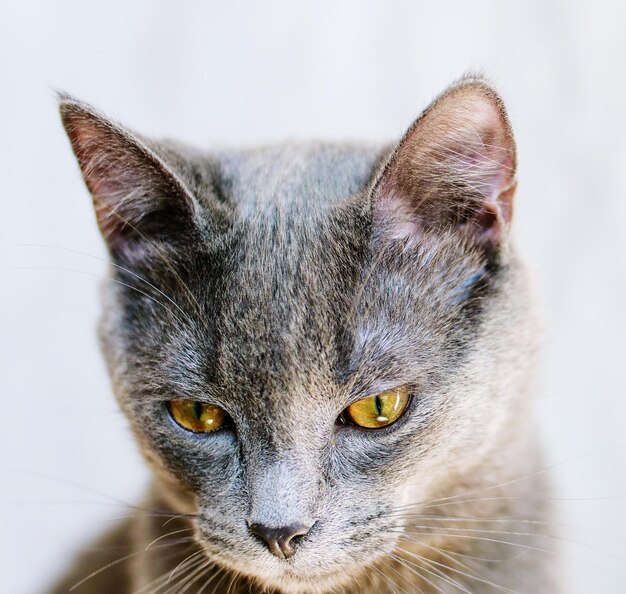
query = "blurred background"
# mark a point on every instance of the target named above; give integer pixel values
(241, 73)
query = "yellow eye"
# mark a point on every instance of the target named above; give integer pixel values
(379, 410)
(197, 416)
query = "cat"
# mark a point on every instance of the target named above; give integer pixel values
(326, 355)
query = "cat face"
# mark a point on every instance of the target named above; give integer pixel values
(282, 285)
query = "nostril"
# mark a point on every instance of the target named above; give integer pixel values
(281, 541)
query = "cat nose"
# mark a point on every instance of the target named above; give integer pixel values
(280, 541)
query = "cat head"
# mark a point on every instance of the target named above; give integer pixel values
(353, 320)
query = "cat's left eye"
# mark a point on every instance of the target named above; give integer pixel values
(196, 416)
(378, 410)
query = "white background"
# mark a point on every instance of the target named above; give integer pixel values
(242, 73)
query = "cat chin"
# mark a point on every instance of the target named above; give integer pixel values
(297, 585)
(288, 577)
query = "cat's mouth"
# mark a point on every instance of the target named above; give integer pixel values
(308, 570)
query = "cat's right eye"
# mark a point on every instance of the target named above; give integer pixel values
(196, 416)
(378, 410)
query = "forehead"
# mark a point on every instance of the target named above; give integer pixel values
(301, 177)
(295, 256)
(294, 295)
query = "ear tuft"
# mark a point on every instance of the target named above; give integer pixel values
(455, 167)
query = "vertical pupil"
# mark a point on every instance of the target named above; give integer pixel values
(197, 410)
(379, 406)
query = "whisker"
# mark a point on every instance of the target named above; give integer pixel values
(166, 535)
(446, 555)
(557, 537)
(449, 554)
(157, 582)
(479, 519)
(480, 539)
(104, 568)
(114, 501)
(233, 581)
(117, 562)
(463, 573)
(164, 578)
(114, 264)
(388, 578)
(500, 519)
(507, 483)
(521, 498)
(483, 531)
(177, 517)
(85, 272)
(190, 571)
(208, 582)
(219, 582)
(193, 301)
(198, 575)
(193, 555)
(414, 568)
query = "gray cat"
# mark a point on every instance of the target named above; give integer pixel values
(326, 355)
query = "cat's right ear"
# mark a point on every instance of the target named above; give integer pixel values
(136, 195)
(453, 170)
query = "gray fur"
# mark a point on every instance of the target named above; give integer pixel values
(283, 284)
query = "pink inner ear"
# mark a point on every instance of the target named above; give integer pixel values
(488, 170)
(455, 167)
(488, 222)
(128, 182)
(116, 178)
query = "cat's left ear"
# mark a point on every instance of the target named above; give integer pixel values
(453, 169)
(137, 195)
